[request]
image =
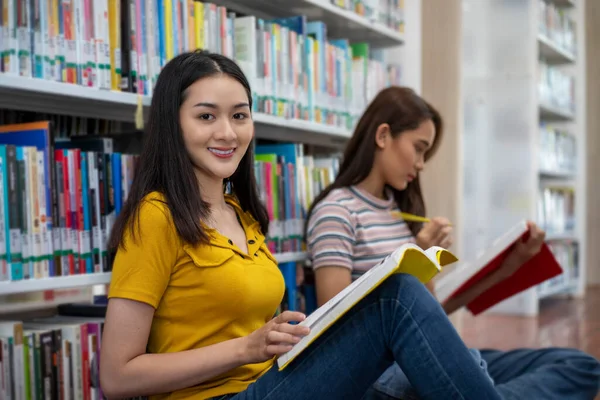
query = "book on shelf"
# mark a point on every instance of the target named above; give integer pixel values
(59, 201)
(408, 258)
(540, 268)
(86, 179)
(54, 357)
(294, 68)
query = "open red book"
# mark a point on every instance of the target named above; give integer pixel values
(538, 269)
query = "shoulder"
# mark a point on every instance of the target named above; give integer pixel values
(338, 202)
(154, 205)
(154, 216)
(334, 210)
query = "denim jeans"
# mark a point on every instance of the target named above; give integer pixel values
(398, 322)
(548, 374)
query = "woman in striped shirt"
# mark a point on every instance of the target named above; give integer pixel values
(350, 228)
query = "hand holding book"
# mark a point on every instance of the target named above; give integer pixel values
(275, 338)
(524, 250)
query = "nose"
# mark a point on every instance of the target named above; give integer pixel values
(420, 164)
(225, 131)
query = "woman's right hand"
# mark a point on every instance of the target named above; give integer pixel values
(436, 232)
(274, 338)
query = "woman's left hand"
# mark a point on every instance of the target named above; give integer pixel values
(523, 251)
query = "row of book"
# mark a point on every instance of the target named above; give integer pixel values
(59, 198)
(556, 24)
(295, 69)
(60, 201)
(386, 12)
(290, 180)
(50, 358)
(556, 209)
(556, 88)
(558, 150)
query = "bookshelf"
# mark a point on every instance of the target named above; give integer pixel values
(61, 282)
(83, 280)
(381, 31)
(44, 96)
(87, 92)
(341, 20)
(525, 133)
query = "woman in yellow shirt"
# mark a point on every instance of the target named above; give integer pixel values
(195, 289)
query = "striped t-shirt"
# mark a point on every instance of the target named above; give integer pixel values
(354, 229)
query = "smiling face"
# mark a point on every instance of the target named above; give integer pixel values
(217, 126)
(401, 158)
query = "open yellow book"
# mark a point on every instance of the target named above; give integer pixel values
(408, 259)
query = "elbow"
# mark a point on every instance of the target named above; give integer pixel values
(111, 385)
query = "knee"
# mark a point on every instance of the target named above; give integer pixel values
(409, 291)
(580, 366)
(584, 362)
(588, 370)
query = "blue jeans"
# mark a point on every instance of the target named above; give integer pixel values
(548, 374)
(400, 321)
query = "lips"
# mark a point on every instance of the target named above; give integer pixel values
(222, 152)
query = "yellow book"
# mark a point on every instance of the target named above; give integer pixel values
(114, 27)
(408, 259)
(169, 28)
(191, 25)
(199, 24)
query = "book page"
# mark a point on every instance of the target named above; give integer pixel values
(323, 317)
(446, 286)
(313, 318)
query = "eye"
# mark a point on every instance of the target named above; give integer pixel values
(240, 116)
(420, 148)
(206, 117)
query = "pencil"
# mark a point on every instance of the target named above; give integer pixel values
(410, 217)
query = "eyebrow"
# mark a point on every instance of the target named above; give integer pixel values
(213, 105)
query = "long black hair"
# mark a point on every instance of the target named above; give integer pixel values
(402, 109)
(164, 165)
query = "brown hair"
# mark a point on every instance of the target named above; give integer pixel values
(402, 109)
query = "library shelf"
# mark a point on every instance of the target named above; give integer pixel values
(564, 3)
(550, 112)
(46, 96)
(552, 52)
(53, 283)
(550, 173)
(341, 23)
(290, 257)
(83, 280)
(567, 287)
(293, 130)
(561, 236)
(41, 95)
(41, 304)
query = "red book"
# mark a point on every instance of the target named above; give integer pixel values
(541, 267)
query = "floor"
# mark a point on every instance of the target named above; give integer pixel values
(562, 322)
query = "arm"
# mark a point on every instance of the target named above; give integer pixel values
(141, 274)
(330, 244)
(127, 371)
(330, 281)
